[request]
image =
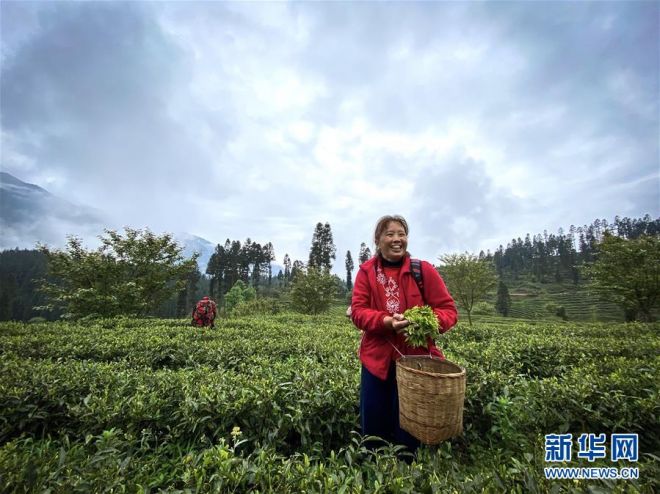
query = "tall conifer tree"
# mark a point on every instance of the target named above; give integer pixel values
(503, 303)
(365, 253)
(287, 267)
(349, 270)
(323, 249)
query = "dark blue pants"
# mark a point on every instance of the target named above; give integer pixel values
(379, 409)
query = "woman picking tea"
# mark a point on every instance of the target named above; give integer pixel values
(385, 287)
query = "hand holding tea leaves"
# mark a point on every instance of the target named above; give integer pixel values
(423, 323)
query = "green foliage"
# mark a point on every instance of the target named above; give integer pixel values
(249, 294)
(365, 253)
(503, 303)
(484, 309)
(19, 270)
(257, 306)
(313, 292)
(545, 257)
(468, 279)
(528, 301)
(627, 271)
(340, 287)
(242, 300)
(129, 274)
(296, 268)
(270, 404)
(238, 294)
(551, 308)
(188, 295)
(423, 325)
(561, 312)
(349, 269)
(232, 262)
(287, 267)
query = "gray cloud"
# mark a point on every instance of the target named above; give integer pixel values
(458, 205)
(480, 121)
(90, 96)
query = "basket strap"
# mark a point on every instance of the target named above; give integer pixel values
(394, 346)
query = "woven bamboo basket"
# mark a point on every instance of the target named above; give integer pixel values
(431, 396)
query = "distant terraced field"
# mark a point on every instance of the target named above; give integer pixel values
(531, 301)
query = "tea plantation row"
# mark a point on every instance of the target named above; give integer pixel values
(270, 404)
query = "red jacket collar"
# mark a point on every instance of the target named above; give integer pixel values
(375, 262)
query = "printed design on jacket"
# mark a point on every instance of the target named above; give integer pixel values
(392, 304)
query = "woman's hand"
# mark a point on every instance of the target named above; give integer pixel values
(396, 323)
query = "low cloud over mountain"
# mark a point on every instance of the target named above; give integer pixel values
(30, 214)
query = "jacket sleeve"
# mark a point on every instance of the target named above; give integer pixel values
(362, 315)
(437, 296)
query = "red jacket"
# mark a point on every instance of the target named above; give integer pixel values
(368, 310)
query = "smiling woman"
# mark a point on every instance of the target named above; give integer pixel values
(385, 287)
(391, 238)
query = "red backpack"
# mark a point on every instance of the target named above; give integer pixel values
(204, 313)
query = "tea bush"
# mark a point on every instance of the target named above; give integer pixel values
(269, 403)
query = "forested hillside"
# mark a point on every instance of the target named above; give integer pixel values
(548, 258)
(18, 289)
(542, 273)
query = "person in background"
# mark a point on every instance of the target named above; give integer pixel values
(204, 313)
(385, 287)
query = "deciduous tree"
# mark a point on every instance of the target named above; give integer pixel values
(239, 294)
(312, 292)
(131, 274)
(468, 279)
(627, 272)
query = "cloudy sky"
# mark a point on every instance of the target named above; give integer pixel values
(479, 122)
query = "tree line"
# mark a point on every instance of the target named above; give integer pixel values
(249, 262)
(19, 294)
(619, 262)
(139, 273)
(557, 258)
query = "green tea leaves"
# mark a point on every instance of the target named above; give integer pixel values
(423, 325)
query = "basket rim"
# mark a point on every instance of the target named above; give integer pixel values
(426, 373)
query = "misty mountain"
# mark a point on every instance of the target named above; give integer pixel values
(192, 244)
(30, 214)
